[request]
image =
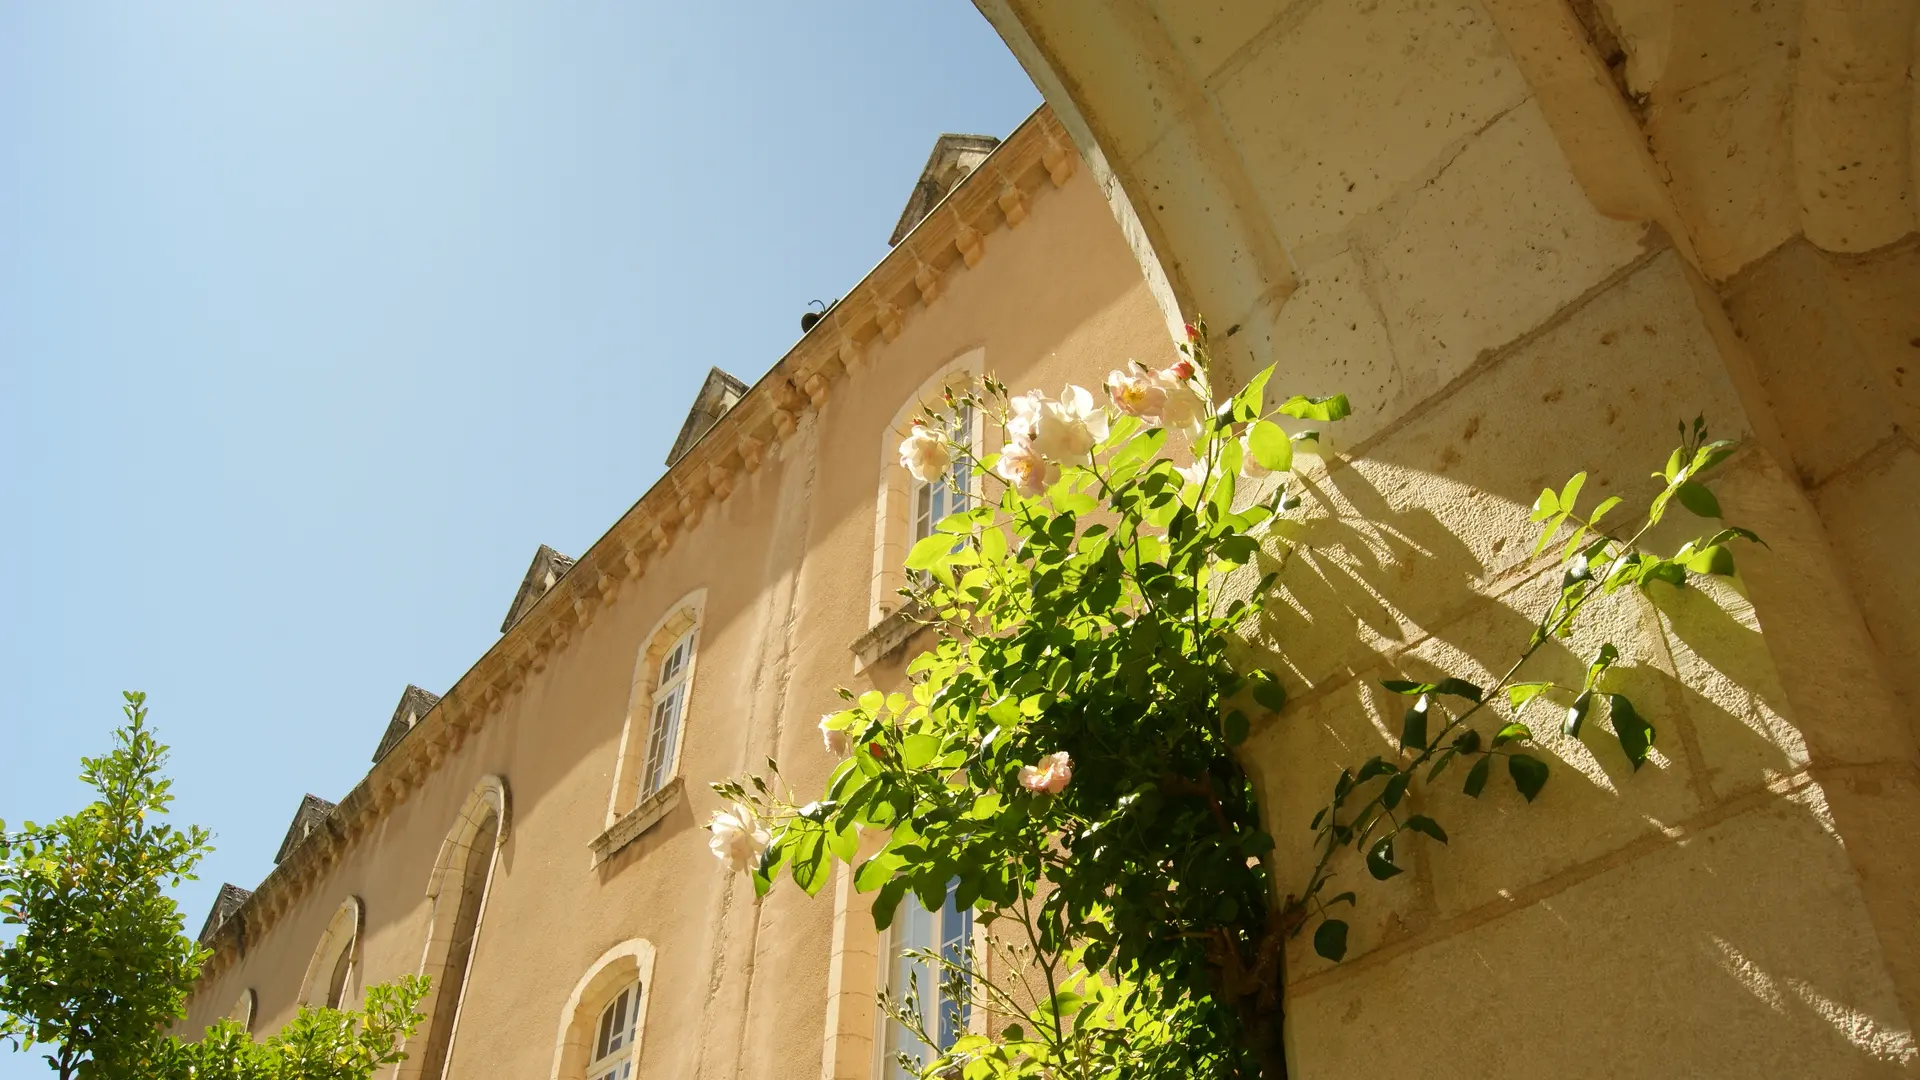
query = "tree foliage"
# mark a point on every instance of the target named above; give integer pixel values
(99, 965)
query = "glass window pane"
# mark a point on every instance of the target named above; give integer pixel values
(956, 933)
(676, 659)
(666, 728)
(923, 518)
(600, 1045)
(619, 1022)
(950, 931)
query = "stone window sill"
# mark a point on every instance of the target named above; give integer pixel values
(634, 823)
(887, 637)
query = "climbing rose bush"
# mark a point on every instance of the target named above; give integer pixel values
(1064, 756)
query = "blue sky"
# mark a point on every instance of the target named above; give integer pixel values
(316, 318)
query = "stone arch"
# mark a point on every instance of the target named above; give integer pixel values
(244, 1009)
(892, 536)
(329, 976)
(625, 964)
(629, 771)
(457, 891)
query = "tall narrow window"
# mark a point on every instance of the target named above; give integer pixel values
(669, 705)
(613, 1037)
(452, 982)
(951, 493)
(948, 931)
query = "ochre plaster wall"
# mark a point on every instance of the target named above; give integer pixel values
(1527, 237)
(739, 986)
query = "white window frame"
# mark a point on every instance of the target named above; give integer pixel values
(887, 1029)
(616, 1062)
(669, 694)
(925, 499)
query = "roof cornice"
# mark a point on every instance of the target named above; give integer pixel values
(999, 193)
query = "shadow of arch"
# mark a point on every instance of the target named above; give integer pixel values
(627, 964)
(457, 892)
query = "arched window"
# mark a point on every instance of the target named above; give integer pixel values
(243, 1010)
(330, 971)
(906, 510)
(646, 774)
(612, 1054)
(947, 932)
(604, 1020)
(669, 708)
(458, 888)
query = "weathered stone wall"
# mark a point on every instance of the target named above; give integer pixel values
(1527, 237)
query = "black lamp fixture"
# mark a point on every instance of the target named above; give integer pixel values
(808, 320)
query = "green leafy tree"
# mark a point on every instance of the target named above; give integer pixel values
(320, 1044)
(100, 965)
(1066, 756)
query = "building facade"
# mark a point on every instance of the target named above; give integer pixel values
(533, 839)
(1526, 237)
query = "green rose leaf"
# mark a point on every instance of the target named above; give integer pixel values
(1330, 939)
(1064, 1003)
(1577, 713)
(1520, 693)
(1545, 505)
(1514, 732)
(1570, 495)
(1477, 777)
(1714, 560)
(1529, 774)
(1268, 692)
(1696, 497)
(1380, 858)
(917, 750)
(1270, 446)
(1413, 727)
(1395, 790)
(1636, 735)
(1325, 410)
(1712, 454)
(930, 551)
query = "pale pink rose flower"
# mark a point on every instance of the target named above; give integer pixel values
(1064, 430)
(1070, 427)
(1022, 467)
(925, 454)
(739, 839)
(1136, 393)
(1050, 776)
(839, 743)
(1186, 405)
(1026, 415)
